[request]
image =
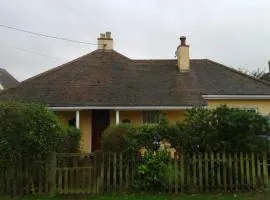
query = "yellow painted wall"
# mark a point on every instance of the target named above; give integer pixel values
(174, 115)
(263, 106)
(135, 117)
(86, 129)
(65, 116)
(85, 126)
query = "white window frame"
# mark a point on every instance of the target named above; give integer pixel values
(250, 109)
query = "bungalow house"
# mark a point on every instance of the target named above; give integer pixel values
(6, 80)
(105, 87)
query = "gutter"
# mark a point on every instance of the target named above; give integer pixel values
(72, 108)
(240, 97)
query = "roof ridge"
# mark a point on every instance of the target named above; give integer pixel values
(238, 72)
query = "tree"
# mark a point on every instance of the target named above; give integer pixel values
(257, 73)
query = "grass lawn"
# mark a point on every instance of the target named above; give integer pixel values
(247, 196)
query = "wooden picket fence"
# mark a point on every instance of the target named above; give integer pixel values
(27, 178)
(112, 172)
(95, 173)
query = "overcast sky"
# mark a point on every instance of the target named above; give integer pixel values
(235, 33)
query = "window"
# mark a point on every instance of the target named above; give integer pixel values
(151, 117)
(254, 110)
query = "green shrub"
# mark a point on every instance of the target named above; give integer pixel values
(238, 130)
(118, 138)
(71, 140)
(164, 130)
(203, 130)
(28, 130)
(153, 171)
(223, 129)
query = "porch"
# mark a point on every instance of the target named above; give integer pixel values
(92, 122)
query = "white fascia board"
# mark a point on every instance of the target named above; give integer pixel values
(70, 108)
(244, 97)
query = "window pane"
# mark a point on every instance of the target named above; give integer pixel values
(151, 117)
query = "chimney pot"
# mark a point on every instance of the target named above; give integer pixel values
(102, 35)
(108, 34)
(183, 40)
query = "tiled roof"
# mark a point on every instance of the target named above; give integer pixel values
(107, 78)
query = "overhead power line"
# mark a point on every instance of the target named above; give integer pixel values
(47, 36)
(33, 52)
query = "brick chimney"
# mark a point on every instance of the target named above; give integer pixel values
(182, 54)
(105, 41)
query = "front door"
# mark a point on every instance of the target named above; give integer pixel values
(100, 121)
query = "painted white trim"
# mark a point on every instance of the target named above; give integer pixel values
(117, 117)
(77, 119)
(70, 108)
(247, 97)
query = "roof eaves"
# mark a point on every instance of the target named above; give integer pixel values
(244, 97)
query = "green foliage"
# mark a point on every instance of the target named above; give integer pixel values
(118, 138)
(153, 171)
(166, 131)
(71, 140)
(28, 130)
(203, 130)
(198, 133)
(223, 129)
(238, 129)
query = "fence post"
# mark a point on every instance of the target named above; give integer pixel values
(175, 173)
(97, 168)
(247, 170)
(102, 161)
(224, 171)
(206, 170)
(52, 174)
(265, 172)
(182, 168)
(242, 169)
(200, 173)
(253, 176)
